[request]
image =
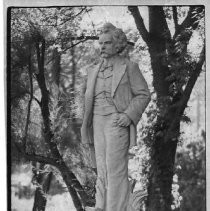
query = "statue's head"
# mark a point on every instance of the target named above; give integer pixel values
(112, 41)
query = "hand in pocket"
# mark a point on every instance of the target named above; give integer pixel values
(123, 120)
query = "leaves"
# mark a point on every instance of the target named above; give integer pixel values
(65, 72)
(190, 168)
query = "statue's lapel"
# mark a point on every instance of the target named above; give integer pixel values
(90, 89)
(92, 79)
(118, 72)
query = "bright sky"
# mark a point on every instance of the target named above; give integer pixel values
(121, 17)
(117, 15)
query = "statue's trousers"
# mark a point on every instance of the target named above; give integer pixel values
(111, 143)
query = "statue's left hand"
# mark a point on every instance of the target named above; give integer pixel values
(123, 120)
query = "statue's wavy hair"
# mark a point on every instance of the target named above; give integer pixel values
(118, 35)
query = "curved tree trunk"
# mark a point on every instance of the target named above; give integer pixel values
(79, 196)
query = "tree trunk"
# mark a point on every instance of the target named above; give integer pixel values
(79, 197)
(56, 67)
(166, 131)
(162, 153)
(76, 190)
(43, 181)
(161, 173)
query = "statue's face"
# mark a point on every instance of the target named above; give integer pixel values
(107, 46)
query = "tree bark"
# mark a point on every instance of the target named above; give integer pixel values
(165, 133)
(56, 68)
(73, 81)
(75, 188)
(43, 181)
(162, 154)
(161, 174)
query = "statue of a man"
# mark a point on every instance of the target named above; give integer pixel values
(116, 96)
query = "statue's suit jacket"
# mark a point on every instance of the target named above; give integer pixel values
(129, 92)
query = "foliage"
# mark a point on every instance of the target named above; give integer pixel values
(190, 168)
(65, 72)
(175, 70)
(54, 30)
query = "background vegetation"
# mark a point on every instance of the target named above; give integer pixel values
(50, 51)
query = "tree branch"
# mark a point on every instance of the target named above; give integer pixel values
(192, 17)
(39, 103)
(70, 18)
(36, 158)
(139, 23)
(158, 26)
(83, 38)
(42, 159)
(186, 95)
(73, 45)
(93, 25)
(30, 101)
(192, 80)
(175, 17)
(34, 98)
(80, 12)
(191, 20)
